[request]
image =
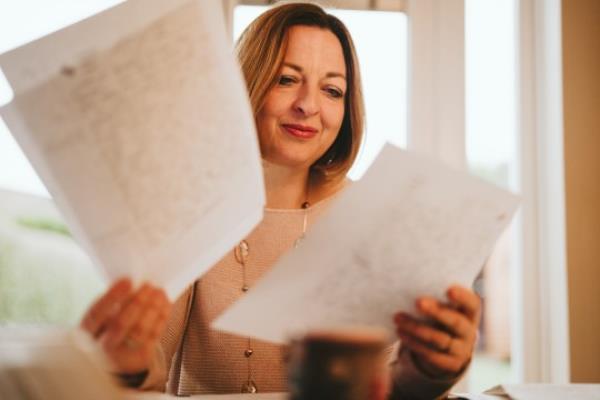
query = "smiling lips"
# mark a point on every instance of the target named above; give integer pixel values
(300, 131)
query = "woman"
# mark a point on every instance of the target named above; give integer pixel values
(304, 85)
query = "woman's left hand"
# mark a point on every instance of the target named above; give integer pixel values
(442, 347)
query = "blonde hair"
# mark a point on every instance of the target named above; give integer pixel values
(261, 49)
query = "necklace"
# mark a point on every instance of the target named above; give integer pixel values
(241, 253)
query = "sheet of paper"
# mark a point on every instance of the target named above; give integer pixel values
(542, 391)
(410, 227)
(49, 363)
(137, 120)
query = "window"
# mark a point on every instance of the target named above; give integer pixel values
(491, 150)
(42, 18)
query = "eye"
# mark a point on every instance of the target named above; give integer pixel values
(287, 80)
(334, 92)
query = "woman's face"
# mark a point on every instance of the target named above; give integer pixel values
(303, 112)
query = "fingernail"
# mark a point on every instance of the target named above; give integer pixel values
(424, 304)
(146, 287)
(453, 294)
(123, 286)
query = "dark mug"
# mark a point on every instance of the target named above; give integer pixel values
(339, 365)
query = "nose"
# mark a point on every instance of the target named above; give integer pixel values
(307, 101)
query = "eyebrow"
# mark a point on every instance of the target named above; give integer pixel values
(328, 75)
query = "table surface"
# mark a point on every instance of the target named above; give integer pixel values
(518, 391)
(162, 396)
(259, 396)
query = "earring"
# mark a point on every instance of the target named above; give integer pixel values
(330, 159)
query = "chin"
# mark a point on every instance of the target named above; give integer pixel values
(290, 160)
(291, 156)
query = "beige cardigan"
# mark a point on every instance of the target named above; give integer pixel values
(195, 359)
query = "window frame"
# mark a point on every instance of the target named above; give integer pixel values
(541, 339)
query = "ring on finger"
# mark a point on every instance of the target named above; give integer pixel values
(448, 347)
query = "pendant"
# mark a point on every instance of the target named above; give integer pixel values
(241, 252)
(249, 387)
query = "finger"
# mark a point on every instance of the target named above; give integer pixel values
(142, 339)
(161, 323)
(118, 328)
(455, 353)
(442, 361)
(141, 335)
(452, 319)
(467, 300)
(152, 316)
(435, 338)
(104, 308)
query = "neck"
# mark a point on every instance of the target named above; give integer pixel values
(285, 187)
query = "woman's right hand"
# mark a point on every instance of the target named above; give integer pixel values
(128, 324)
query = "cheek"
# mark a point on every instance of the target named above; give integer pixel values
(269, 114)
(263, 132)
(260, 125)
(265, 119)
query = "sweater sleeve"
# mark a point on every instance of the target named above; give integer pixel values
(159, 370)
(410, 383)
